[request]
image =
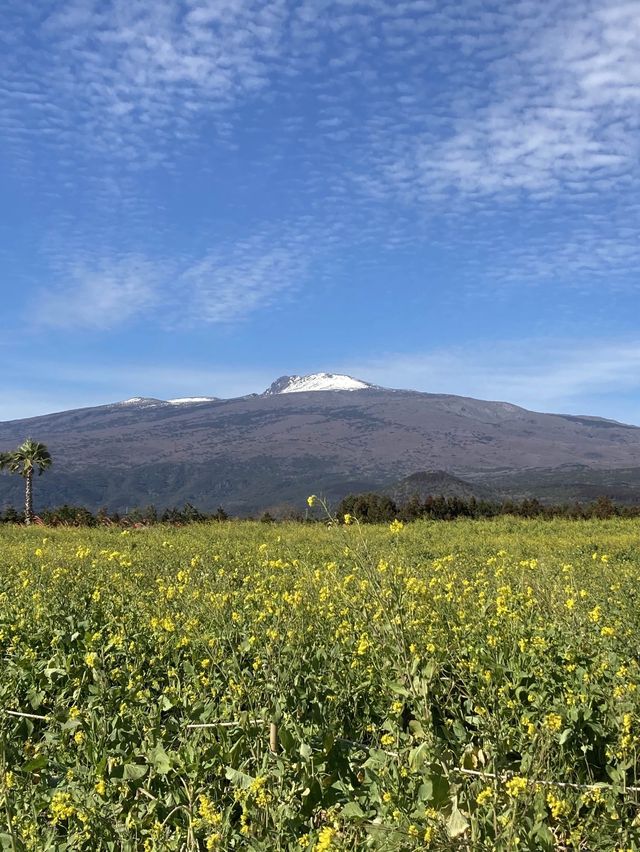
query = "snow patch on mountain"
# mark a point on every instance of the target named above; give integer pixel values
(316, 382)
(140, 402)
(187, 400)
(150, 402)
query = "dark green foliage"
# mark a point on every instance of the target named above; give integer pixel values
(69, 516)
(187, 515)
(374, 508)
(368, 508)
(11, 516)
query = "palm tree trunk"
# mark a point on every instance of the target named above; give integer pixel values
(28, 497)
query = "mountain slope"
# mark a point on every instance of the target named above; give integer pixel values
(437, 483)
(255, 452)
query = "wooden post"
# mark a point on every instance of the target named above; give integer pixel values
(273, 738)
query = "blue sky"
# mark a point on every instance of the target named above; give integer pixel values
(197, 197)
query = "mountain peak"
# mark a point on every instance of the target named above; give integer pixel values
(315, 382)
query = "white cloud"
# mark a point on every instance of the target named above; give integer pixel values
(385, 120)
(222, 285)
(553, 110)
(570, 377)
(230, 283)
(100, 296)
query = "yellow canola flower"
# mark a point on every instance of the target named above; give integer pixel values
(208, 811)
(363, 645)
(484, 796)
(61, 807)
(325, 839)
(311, 500)
(516, 786)
(558, 806)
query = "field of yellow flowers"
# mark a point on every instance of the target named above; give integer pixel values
(463, 686)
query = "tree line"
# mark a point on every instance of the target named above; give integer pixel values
(364, 508)
(80, 516)
(375, 508)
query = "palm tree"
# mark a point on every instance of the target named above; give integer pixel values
(24, 460)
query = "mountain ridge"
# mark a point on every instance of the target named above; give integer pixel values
(254, 452)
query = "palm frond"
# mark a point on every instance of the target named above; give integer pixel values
(26, 458)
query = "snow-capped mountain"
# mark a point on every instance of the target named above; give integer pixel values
(316, 382)
(258, 452)
(285, 384)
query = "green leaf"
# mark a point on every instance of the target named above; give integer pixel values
(416, 729)
(48, 672)
(35, 763)
(429, 670)
(352, 810)
(441, 790)
(305, 751)
(286, 740)
(616, 774)
(36, 697)
(159, 759)
(425, 790)
(544, 837)
(417, 756)
(238, 779)
(133, 771)
(460, 731)
(457, 823)
(399, 689)
(376, 760)
(564, 736)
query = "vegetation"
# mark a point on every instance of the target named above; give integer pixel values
(433, 686)
(376, 509)
(367, 508)
(29, 456)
